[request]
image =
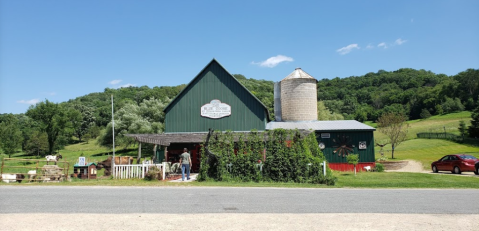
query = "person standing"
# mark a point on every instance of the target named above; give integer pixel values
(185, 161)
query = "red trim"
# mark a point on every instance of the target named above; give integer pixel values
(345, 167)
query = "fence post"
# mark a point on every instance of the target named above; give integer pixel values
(324, 168)
(163, 170)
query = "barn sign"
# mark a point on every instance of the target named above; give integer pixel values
(362, 145)
(81, 161)
(215, 109)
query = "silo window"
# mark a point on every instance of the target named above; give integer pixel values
(325, 135)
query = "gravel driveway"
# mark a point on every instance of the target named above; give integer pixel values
(416, 166)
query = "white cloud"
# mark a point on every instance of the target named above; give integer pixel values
(369, 46)
(347, 49)
(116, 81)
(383, 45)
(126, 85)
(49, 93)
(399, 41)
(31, 102)
(274, 61)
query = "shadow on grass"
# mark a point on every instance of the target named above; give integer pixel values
(119, 152)
(347, 174)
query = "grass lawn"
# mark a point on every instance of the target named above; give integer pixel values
(93, 152)
(345, 180)
(404, 180)
(427, 150)
(70, 154)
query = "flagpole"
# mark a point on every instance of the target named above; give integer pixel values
(113, 132)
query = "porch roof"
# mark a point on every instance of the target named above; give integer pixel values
(165, 139)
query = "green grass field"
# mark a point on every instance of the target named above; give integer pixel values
(433, 124)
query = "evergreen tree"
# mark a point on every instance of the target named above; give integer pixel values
(474, 128)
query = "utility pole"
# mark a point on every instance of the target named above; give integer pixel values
(113, 128)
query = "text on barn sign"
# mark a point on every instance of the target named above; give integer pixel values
(215, 109)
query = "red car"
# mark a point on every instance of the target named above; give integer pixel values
(455, 163)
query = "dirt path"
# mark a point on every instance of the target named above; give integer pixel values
(412, 166)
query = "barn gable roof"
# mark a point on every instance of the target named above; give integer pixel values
(213, 61)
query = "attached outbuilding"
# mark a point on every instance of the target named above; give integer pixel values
(337, 139)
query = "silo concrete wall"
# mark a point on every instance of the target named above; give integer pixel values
(277, 101)
(299, 100)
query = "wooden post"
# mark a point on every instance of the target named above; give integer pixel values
(154, 154)
(139, 153)
(166, 153)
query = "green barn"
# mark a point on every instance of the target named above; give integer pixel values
(215, 99)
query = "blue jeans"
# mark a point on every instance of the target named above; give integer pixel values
(183, 167)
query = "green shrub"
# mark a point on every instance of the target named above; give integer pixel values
(425, 114)
(379, 167)
(383, 158)
(154, 174)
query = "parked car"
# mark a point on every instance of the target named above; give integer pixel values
(477, 168)
(456, 163)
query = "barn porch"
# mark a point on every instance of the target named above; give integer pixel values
(169, 146)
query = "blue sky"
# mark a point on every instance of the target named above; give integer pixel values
(60, 50)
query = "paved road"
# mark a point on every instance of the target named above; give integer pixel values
(194, 200)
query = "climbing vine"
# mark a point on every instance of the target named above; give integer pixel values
(277, 155)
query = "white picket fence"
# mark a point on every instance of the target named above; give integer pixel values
(135, 170)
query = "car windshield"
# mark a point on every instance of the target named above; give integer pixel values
(468, 157)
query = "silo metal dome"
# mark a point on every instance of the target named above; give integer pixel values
(299, 97)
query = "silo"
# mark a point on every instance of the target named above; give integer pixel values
(277, 101)
(299, 97)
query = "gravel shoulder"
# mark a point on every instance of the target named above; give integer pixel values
(233, 221)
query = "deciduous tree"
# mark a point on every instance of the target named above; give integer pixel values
(325, 114)
(82, 119)
(52, 118)
(354, 160)
(10, 134)
(148, 117)
(395, 127)
(37, 144)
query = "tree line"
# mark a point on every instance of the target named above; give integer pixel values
(414, 94)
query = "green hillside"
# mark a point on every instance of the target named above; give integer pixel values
(429, 150)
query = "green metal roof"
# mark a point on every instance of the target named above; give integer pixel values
(87, 165)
